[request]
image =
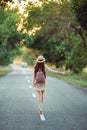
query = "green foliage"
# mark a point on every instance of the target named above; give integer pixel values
(29, 59)
(49, 38)
(9, 36)
(57, 33)
(28, 55)
(79, 58)
(39, 15)
(28, 41)
(80, 9)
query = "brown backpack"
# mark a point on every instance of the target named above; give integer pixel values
(40, 78)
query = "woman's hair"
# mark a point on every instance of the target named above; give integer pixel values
(40, 66)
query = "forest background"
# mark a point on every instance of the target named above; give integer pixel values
(56, 29)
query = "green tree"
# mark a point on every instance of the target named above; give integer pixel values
(9, 36)
(80, 13)
(80, 9)
(58, 34)
(52, 20)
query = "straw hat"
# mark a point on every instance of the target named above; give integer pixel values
(40, 59)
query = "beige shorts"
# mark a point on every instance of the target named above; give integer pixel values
(40, 87)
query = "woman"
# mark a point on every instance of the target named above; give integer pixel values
(40, 87)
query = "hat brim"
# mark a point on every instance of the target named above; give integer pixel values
(40, 61)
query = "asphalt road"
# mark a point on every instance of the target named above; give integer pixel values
(65, 106)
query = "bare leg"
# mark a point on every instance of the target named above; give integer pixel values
(40, 99)
(42, 95)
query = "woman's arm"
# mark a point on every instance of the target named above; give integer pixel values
(34, 79)
(54, 71)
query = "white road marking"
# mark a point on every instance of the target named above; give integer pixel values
(28, 81)
(42, 117)
(30, 86)
(34, 95)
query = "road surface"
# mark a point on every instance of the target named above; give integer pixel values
(65, 105)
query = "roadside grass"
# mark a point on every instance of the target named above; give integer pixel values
(4, 70)
(75, 79)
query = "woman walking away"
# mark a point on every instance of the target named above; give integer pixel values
(39, 81)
